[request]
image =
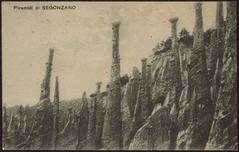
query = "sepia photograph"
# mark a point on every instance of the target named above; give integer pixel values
(107, 75)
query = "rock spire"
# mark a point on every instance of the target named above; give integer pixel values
(112, 132)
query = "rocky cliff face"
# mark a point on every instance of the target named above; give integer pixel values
(184, 97)
(223, 133)
(190, 119)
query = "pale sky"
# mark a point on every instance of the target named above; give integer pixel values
(82, 42)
